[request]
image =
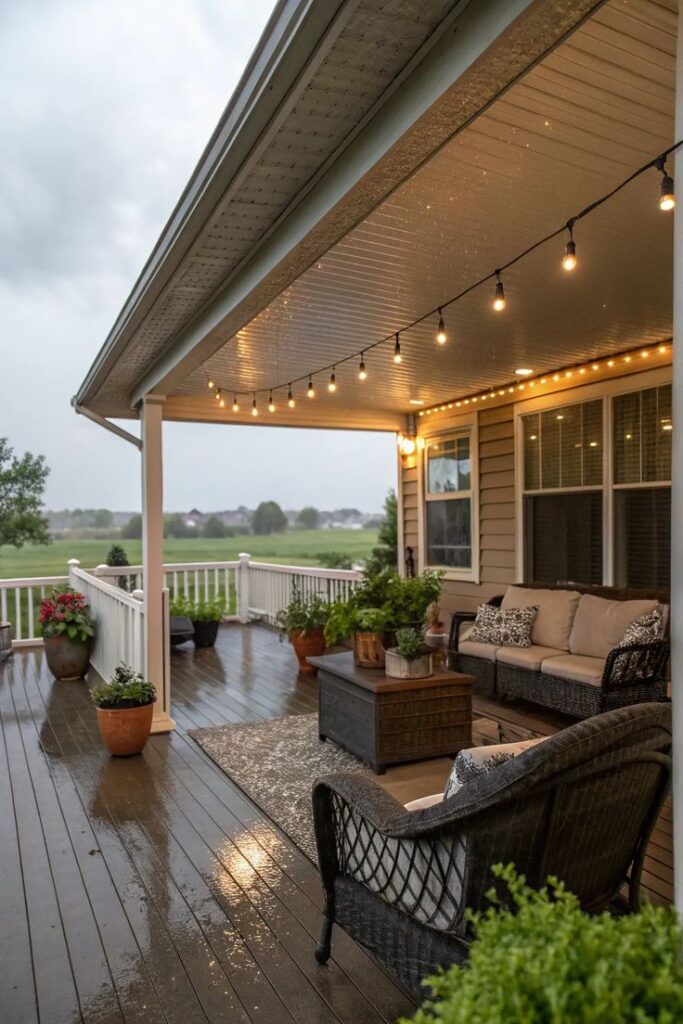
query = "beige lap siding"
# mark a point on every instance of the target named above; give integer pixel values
(496, 511)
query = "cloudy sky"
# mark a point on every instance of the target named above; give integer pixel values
(104, 109)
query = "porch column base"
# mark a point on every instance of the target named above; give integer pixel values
(162, 723)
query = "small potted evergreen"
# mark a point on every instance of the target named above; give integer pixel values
(410, 658)
(68, 629)
(303, 623)
(125, 706)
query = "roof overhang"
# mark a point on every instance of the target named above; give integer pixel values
(460, 59)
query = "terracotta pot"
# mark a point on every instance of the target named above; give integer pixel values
(368, 650)
(124, 731)
(308, 643)
(205, 633)
(67, 659)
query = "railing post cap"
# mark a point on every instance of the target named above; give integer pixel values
(74, 562)
(244, 556)
(139, 595)
(100, 567)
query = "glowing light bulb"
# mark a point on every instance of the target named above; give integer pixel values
(311, 390)
(569, 260)
(254, 409)
(217, 395)
(397, 350)
(235, 405)
(210, 385)
(332, 386)
(271, 403)
(222, 403)
(362, 372)
(290, 398)
(441, 335)
(499, 302)
(667, 199)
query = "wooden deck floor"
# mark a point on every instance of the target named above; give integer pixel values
(152, 889)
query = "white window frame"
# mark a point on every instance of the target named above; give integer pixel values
(465, 428)
(606, 391)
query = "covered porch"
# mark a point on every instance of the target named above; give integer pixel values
(156, 890)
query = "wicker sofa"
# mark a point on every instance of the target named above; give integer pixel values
(574, 664)
(579, 805)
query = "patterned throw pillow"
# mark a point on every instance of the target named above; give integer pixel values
(471, 764)
(506, 627)
(645, 629)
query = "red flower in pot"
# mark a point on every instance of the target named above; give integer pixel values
(68, 629)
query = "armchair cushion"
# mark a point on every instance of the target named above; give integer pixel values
(600, 624)
(577, 667)
(526, 657)
(507, 628)
(474, 762)
(556, 610)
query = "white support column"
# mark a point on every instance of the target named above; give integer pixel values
(677, 503)
(243, 587)
(156, 625)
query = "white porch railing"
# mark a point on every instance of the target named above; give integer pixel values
(19, 603)
(120, 622)
(252, 591)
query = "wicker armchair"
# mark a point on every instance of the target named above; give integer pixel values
(581, 806)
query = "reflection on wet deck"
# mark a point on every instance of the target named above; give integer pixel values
(151, 889)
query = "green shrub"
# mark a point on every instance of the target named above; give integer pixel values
(334, 560)
(547, 962)
(211, 610)
(127, 689)
(398, 601)
(409, 642)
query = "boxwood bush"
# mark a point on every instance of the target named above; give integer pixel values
(539, 959)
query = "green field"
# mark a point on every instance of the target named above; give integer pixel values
(299, 547)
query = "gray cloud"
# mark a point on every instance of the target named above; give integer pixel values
(105, 109)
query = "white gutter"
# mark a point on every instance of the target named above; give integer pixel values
(102, 422)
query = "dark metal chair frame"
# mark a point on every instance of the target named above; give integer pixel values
(580, 806)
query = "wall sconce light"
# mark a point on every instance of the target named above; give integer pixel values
(406, 445)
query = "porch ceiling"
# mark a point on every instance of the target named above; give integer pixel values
(594, 110)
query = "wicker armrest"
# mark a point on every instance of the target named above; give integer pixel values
(636, 665)
(457, 620)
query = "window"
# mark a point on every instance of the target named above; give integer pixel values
(562, 504)
(448, 502)
(642, 432)
(589, 519)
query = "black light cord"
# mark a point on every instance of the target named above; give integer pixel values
(656, 163)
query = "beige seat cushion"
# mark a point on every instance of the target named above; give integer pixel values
(575, 666)
(600, 624)
(476, 650)
(526, 657)
(556, 610)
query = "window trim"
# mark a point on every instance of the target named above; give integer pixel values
(606, 391)
(459, 428)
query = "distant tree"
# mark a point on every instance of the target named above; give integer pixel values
(133, 528)
(334, 560)
(346, 513)
(22, 482)
(309, 518)
(177, 527)
(214, 527)
(384, 555)
(269, 518)
(117, 556)
(104, 518)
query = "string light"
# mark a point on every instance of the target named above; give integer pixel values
(271, 403)
(569, 263)
(290, 398)
(441, 335)
(221, 402)
(569, 258)
(667, 199)
(235, 405)
(217, 394)
(332, 386)
(499, 302)
(311, 390)
(254, 408)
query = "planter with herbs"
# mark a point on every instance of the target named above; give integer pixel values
(68, 630)
(380, 606)
(303, 623)
(124, 711)
(205, 616)
(410, 658)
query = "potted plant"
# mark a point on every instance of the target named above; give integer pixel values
(544, 960)
(303, 622)
(435, 633)
(410, 658)
(67, 629)
(124, 711)
(205, 616)
(364, 626)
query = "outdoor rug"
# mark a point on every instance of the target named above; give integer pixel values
(275, 763)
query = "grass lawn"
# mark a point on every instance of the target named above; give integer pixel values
(298, 547)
